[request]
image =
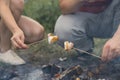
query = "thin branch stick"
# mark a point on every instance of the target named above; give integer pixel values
(73, 48)
(87, 53)
(37, 42)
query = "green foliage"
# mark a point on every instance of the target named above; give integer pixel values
(45, 12)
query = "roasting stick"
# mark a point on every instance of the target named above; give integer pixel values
(73, 48)
(87, 53)
(69, 45)
(37, 42)
(56, 39)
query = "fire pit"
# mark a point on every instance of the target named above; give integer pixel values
(74, 67)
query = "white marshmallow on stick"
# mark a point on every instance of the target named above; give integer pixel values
(68, 45)
(52, 38)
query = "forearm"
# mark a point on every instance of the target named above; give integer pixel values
(7, 17)
(72, 6)
(117, 33)
(69, 6)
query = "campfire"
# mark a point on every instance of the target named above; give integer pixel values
(53, 62)
(75, 72)
(72, 73)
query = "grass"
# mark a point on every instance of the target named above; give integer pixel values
(45, 12)
(99, 43)
(43, 53)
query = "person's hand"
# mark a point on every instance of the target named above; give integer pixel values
(111, 49)
(18, 40)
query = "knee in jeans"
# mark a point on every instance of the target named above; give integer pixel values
(64, 34)
(19, 4)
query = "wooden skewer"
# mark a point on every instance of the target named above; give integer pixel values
(73, 48)
(37, 42)
(87, 53)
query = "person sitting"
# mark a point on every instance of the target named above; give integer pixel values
(82, 20)
(16, 30)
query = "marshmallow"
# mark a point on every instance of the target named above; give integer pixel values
(68, 45)
(52, 38)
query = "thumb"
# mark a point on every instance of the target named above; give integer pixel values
(23, 40)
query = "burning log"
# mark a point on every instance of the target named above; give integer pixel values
(59, 73)
(69, 74)
(52, 69)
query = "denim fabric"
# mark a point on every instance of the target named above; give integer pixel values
(82, 27)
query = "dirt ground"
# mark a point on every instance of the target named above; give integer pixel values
(41, 53)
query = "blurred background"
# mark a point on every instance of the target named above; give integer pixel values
(45, 12)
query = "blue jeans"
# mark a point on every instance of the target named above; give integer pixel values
(82, 27)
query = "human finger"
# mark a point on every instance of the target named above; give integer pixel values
(105, 53)
(116, 53)
(14, 43)
(110, 54)
(20, 43)
(22, 38)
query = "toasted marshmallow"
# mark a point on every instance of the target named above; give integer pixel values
(77, 78)
(68, 45)
(52, 38)
(50, 34)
